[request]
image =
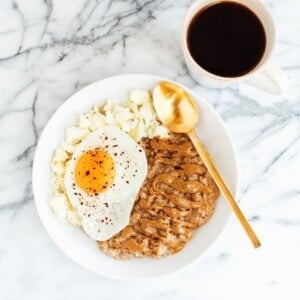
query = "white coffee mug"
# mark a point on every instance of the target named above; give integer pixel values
(265, 76)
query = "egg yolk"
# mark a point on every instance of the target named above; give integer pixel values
(94, 171)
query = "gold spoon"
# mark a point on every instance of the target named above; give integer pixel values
(179, 113)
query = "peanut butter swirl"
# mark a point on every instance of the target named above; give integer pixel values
(177, 197)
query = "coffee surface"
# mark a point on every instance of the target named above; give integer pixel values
(226, 39)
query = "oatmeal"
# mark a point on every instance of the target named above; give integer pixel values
(177, 197)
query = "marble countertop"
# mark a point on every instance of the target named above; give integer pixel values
(51, 49)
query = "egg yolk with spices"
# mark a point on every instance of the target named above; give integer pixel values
(94, 171)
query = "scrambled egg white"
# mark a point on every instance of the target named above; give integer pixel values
(136, 117)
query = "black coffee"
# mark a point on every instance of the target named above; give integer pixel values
(226, 39)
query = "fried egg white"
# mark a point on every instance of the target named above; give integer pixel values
(102, 180)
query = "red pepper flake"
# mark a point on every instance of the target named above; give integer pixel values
(87, 173)
(106, 204)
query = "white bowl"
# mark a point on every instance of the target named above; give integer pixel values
(72, 240)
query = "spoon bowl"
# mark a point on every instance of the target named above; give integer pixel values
(176, 110)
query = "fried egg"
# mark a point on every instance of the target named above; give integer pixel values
(102, 180)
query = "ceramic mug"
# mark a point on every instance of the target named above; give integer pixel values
(265, 75)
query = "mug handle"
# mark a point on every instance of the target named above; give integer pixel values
(270, 80)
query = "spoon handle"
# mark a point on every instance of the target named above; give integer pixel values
(223, 188)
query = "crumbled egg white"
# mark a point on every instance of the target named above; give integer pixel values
(59, 205)
(136, 117)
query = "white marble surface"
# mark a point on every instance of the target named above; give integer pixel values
(49, 50)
